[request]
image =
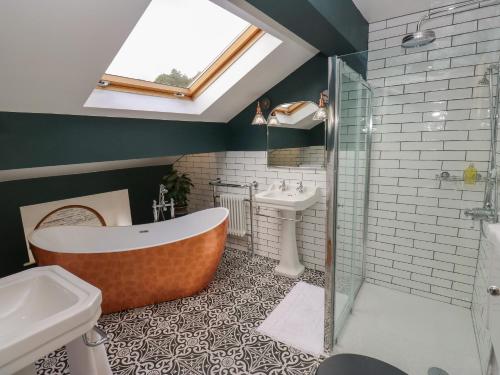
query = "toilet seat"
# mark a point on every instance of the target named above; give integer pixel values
(355, 364)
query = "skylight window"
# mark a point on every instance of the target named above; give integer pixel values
(179, 48)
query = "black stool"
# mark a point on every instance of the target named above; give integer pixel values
(354, 364)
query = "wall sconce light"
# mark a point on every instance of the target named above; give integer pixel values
(321, 113)
(273, 119)
(259, 119)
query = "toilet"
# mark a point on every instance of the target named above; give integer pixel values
(355, 364)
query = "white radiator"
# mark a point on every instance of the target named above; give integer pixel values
(237, 213)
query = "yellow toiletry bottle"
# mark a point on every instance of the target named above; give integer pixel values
(470, 175)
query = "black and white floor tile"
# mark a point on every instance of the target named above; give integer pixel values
(210, 333)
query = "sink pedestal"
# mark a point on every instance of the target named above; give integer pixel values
(289, 257)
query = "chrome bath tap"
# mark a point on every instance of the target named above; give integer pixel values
(161, 207)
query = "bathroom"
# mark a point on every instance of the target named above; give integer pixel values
(288, 187)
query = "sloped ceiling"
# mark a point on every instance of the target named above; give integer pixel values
(54, 51)
(378, 10)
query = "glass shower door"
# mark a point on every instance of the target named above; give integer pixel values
(348, 169)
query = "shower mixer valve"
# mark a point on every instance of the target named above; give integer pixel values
(486, 214)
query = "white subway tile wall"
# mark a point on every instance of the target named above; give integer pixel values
(430, 115)
(245, 167)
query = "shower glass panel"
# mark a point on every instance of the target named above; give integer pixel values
(349, 149)
(481, 300)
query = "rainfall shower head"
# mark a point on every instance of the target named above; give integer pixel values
(419, 38)
(424, 37)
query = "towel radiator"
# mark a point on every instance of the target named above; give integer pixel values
(250, 186)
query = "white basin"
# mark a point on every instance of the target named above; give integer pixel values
(288, 202)
(290, 199)
(42, 309)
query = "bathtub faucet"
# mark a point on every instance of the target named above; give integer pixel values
(161, 207)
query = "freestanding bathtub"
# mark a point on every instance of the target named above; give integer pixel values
(141, 264)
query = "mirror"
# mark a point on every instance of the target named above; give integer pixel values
(294, 138)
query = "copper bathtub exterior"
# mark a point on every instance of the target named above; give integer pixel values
(140, 277)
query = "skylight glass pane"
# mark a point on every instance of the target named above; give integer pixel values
(175, 41)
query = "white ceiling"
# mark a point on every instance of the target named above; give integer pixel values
(53, 53)
(378, 10)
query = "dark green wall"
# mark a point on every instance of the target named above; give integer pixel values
(292, 138)
(34, 140)
(142, 184)
(334, 27)
(305, 83)
(347, 21)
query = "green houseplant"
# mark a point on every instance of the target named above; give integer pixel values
(178, 186)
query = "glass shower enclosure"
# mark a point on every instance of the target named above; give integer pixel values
(349, 132)
(349, 138)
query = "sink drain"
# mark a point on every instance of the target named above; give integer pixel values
(436, 371)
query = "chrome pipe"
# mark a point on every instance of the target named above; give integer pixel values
(103, 337)
(455, 7)
(218, 182)
(450, 9)
(250, 194)
(368, 150)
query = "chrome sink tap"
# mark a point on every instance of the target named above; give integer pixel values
(300, 187)
(282, 186)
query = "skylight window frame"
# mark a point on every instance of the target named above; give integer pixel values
(136, 86)
(291, 109)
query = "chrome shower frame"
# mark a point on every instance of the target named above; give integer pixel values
(490, 196)
(332, 169)
(489, 211)
(332, 164)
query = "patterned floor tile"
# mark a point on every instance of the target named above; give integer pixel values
(210, 333)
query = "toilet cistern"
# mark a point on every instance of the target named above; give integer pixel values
(288, 202)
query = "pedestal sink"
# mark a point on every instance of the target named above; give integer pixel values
(43, 309)
(288, 200)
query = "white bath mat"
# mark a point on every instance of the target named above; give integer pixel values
(298, 320)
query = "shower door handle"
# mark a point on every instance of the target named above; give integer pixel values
(494, 291)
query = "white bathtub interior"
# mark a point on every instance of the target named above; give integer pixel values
(80, 239)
